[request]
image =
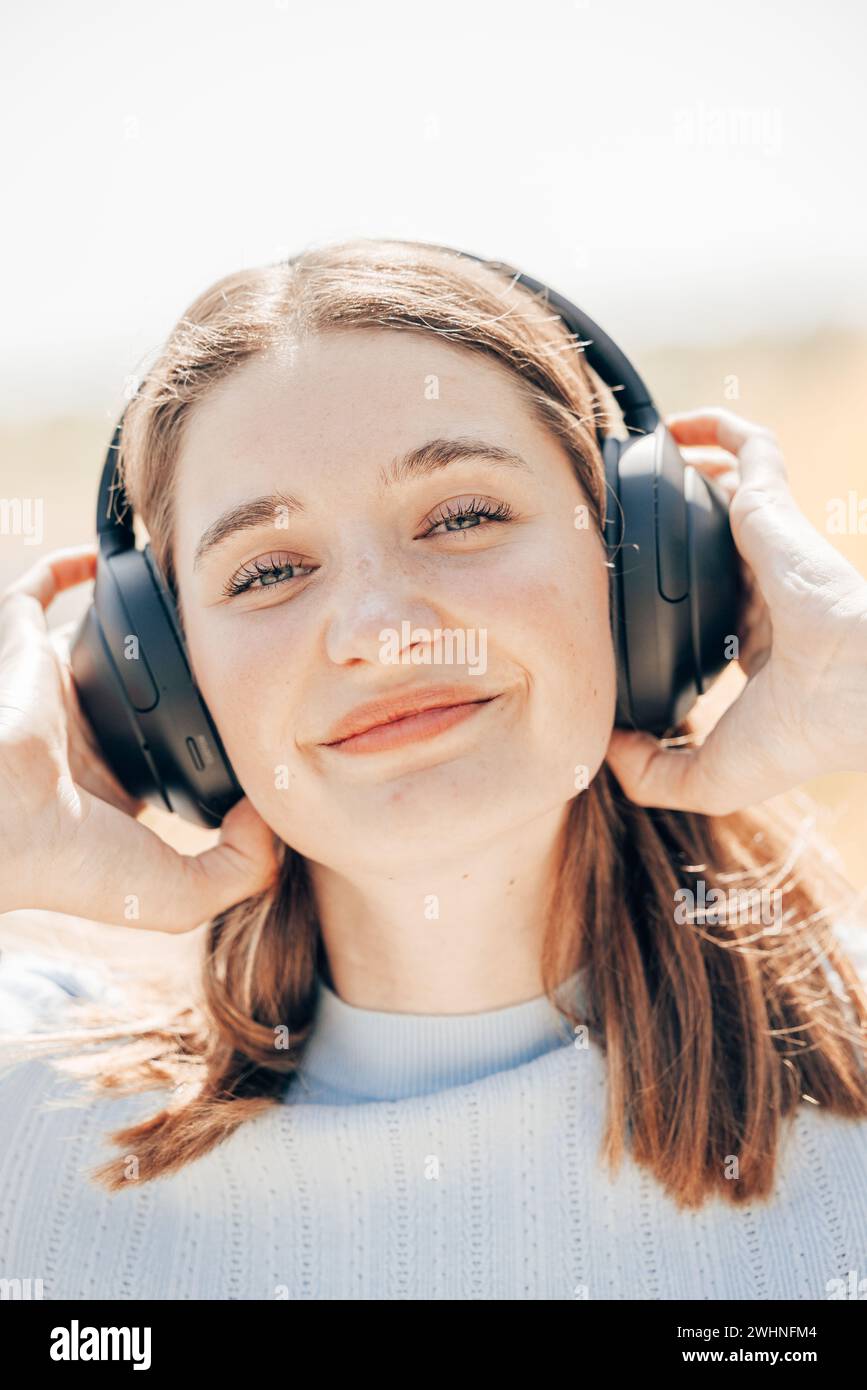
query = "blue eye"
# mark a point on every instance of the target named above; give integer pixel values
(463, 517)
(262, 574)
(278, 568)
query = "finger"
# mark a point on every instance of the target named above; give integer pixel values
(31, 678)
(709, 461)
(716, 464)
(770, 531)
(729, 770)
(756, 447)
(157, 888)
(651, 774)
(726, 478)
(715, 778)
(62, 633)
(246, 858)
(48, 577)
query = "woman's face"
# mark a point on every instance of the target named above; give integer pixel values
(326, 485)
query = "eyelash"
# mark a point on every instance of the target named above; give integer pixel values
(244, 579)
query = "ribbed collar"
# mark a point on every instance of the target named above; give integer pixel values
(379, 1055)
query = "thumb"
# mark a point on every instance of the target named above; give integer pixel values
(671, 778)
(140, 881)
(244, 861)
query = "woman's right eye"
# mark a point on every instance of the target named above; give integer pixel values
(263, 573)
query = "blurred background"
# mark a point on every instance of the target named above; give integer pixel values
(688, 174)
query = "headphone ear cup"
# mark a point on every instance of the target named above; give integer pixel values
(614, 530)
(105, 700)
(715, 588)
(130, 664)
(189, 752)
(674, 577)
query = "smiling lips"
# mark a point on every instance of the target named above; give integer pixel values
(395, 720)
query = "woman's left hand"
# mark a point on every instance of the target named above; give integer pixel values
(802, 645)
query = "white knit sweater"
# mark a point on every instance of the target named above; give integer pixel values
(416, 1158)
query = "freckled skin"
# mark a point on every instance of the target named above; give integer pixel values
(279, 666)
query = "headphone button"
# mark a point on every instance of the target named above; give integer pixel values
(195, 756)
(139, 684)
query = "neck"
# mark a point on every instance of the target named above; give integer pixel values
(446, 936)
(359, 1054)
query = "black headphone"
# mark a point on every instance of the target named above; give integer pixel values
(674, 595)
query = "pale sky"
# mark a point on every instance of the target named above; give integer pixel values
(685, 172)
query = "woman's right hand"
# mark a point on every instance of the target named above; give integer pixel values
(69, 840)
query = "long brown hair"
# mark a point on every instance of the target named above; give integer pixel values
(714, 1026)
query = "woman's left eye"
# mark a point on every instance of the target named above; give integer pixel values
(466, 516)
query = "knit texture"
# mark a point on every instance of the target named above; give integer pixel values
(414, 1157)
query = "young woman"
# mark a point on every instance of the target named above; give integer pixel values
(457, 1034)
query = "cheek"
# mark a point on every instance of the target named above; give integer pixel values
(566, 648)
(555, 606)
(575, 644)
(245, 686)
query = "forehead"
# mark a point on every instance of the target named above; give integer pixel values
(361, 392)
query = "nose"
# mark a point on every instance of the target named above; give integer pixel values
(375, 608)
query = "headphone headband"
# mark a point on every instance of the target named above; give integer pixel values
(114, 513)
(601, 352)
(114, 528)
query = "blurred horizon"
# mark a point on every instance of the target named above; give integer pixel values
(688, 177)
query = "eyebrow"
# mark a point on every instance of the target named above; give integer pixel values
(418, 463)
